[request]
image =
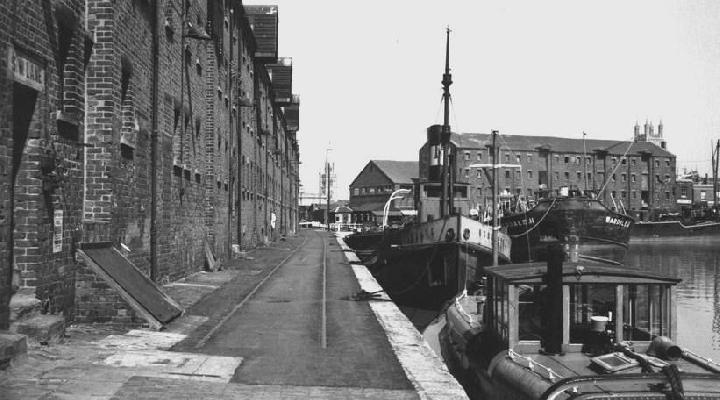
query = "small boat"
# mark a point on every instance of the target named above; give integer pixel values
(701, 219)
(572, 329)
(652, 230)
(573, 217)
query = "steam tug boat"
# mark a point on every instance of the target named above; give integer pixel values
(576, 329)
(427, 263)
(575, 217)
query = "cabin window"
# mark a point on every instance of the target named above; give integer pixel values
(587, 301)
(479, 156)
(531, 312)
(645, 312)
(500, 309)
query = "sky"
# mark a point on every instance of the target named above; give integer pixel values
(368, 74)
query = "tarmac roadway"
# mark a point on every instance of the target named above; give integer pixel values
(280, 323)
(283, 337)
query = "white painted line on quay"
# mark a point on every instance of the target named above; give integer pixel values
(323, 324)
(425, 370)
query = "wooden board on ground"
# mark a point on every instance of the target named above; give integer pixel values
(142, 294)
(210, 257)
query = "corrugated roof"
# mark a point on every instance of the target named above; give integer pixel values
(398, 171)
(557, 144)
(264, 23)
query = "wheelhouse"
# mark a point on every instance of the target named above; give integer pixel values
(620, 303)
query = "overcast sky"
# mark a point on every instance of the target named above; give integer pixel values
(368, 74)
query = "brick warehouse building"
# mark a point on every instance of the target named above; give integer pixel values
(640, 174)
(122, 124)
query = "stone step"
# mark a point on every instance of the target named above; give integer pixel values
(23, 304)
(42, 328)
(13, 349)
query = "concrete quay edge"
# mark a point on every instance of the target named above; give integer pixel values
(424, 369)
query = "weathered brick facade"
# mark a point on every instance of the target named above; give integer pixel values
(638, 175)
(41, 155)
(159, 136)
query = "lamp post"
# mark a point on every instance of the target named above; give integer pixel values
(398, 194)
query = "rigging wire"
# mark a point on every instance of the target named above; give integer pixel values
(437, 112)
(525, 209)
(454, 116)
(607, 180)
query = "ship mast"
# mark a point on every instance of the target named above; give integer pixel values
(446, 205)
(715, 163)
(495, 220)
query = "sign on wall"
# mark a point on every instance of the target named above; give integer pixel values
(58, 231)
(27, 71)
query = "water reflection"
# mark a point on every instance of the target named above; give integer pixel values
(697, 263)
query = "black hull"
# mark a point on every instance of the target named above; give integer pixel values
(673, 229)
(597, 231)
(364, 240)
(427, 276)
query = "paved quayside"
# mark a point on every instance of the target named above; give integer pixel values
(280, 323)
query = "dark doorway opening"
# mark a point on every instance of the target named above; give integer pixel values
(24, 99)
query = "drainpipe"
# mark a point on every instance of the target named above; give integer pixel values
(231, 17)
(238, 129)
(153, 142)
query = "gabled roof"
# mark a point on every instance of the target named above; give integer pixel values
(398, 171)
(557, 144)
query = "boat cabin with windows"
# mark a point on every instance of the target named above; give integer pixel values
(580, 329)
(622, 303)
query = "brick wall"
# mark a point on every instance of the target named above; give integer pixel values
(98, 302)
(40, 152)
(85, 156)
(6, 188)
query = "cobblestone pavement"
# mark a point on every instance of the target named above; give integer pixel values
(105, 362)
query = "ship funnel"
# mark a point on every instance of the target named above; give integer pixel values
(552, 340)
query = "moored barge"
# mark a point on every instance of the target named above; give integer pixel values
(574, 218)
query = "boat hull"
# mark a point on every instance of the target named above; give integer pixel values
(425, 265)
(594, 230)
(673, 229)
